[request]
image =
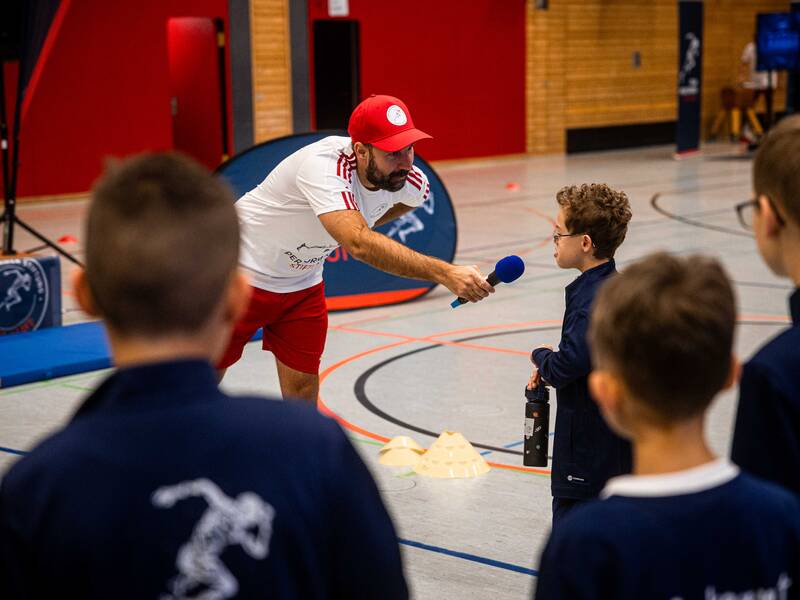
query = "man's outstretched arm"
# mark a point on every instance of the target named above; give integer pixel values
(350, 229)
(397, 211)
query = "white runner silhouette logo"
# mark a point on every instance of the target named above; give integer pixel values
(689, 86)
(245, 521)
(410, 223)
(22, 281)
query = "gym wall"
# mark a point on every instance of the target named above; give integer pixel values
(104, 90)
(729, 25)
(458, 65)
(272, 90)
(485, 77)
(582, 73)
(582, 70)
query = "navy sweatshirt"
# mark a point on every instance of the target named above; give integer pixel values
(766, 440)
(163, 486)
(705, 533)
(586, 453)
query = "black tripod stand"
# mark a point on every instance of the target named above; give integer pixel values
(10, 218)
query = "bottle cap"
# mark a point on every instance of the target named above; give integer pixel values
(540, 393)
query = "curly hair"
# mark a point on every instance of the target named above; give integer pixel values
(599, 211)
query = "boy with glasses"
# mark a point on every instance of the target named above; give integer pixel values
(766, 440)
(685, 524)
(591, 224)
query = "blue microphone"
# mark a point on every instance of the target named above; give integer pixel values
(506, 270)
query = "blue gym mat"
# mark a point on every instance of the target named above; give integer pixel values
(52, 352)
(55, 352)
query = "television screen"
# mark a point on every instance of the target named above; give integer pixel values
(777, 41)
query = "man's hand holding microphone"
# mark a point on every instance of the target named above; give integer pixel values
(506, 270)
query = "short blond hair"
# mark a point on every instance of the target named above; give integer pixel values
(665, 326)
(776, 167)
(162, 242)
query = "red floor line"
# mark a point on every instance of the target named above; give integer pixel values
(765, 318)
(375, 333)
(475, 347)
(539, 213)
(325, 409)
(359, 321)
(521, 325)
(430, 340)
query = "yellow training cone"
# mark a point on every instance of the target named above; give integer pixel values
(401, 451)
(452, 456)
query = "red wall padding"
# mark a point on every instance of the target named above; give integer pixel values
(104, 90)
(459, 65)
(194, 80)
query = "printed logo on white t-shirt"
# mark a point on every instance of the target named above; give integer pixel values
(309, 256)
(396, 116)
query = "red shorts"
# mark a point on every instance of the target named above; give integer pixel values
(295, 325)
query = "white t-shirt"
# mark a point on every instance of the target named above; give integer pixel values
(758, 80)
(283, 242)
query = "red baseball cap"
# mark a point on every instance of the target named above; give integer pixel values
(384, 122)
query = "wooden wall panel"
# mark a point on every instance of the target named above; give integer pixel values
(580, 70)
(272, 93)
(544, 89)
(729, 25)
(603, 87)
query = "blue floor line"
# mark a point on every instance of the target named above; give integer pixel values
(511, 445)
(479, 559)
(12, 451)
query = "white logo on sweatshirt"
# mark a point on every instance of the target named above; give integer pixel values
(245, 521)
(779, 592)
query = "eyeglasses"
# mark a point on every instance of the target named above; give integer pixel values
(558, 236)
(745, 210)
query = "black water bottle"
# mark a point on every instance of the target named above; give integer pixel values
(537, 426)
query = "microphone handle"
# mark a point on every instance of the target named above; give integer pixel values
(493, 280)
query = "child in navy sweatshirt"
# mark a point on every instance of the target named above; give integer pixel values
(686, 524)
(766, 441)
(591, 224)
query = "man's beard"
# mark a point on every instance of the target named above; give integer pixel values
(393, 182)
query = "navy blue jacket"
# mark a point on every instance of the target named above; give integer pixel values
(766, 440)
(707, 540)
(163, 486)
(586, 453)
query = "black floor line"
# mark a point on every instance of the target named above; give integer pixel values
(359, 388)
(361, 383)
(679, 218)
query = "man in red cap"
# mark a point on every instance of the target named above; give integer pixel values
(327, 194)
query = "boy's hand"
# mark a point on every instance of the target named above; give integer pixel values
(542, 347)
(534, 380)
